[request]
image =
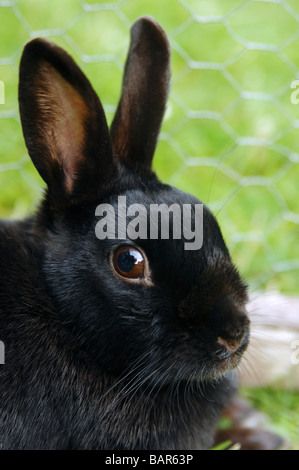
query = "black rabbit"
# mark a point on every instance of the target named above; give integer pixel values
(112, 343)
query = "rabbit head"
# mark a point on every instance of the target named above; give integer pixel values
(128, 303)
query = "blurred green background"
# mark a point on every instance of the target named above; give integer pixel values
(230, 131)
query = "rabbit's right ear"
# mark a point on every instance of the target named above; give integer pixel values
(137, 122)
(64, 125)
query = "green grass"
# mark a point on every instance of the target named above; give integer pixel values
(234, 150)
(282, 408)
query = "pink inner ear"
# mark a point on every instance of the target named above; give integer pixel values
(63, 113)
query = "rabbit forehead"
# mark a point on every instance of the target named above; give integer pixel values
(169, 252)
(148, 193)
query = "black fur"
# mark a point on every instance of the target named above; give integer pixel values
(92, 361)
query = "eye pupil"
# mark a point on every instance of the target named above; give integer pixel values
(128, 262)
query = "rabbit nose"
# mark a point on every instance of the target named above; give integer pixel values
(231, 344)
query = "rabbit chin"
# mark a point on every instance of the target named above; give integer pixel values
(225, 364)
(188, 371)
(214, 372)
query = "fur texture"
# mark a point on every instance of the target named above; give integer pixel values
(93, 361)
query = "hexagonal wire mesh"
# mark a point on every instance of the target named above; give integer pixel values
(229, 133)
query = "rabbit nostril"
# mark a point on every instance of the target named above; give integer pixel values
(230, 344)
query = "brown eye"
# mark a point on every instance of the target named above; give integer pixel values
(130, 264)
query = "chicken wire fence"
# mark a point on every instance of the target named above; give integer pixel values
(230, 130)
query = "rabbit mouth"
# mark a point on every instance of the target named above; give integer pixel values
(194, 367)
(230, 353)
(223, 359)
(229, 363)
(217, 369)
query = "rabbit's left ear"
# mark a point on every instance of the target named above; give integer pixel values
(136, 125)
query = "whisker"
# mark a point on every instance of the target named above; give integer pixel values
(136, 365)
(139, 379)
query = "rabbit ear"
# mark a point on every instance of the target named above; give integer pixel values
(135, 128)
(63, 123)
